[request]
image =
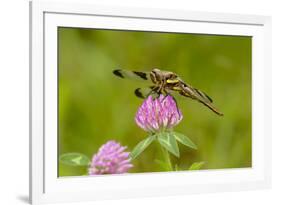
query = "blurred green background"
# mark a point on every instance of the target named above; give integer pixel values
(95, 106)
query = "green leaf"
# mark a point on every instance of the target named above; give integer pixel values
(177, 168)
(141, 146)
(184, 140)
(162, 164)
(168, 141)
(74, 159)
(196, 165)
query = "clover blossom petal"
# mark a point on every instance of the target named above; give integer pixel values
(110, 159)
(158, 114)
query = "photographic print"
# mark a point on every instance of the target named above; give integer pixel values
(143, 101)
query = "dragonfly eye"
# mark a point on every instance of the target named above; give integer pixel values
(153, 76)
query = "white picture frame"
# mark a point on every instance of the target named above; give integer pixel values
(46, 187)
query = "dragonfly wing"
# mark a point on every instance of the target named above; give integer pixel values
(145, 92)
(133, 75)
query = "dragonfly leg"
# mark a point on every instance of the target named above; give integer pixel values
(165, 93)
(153, 91)
(160, 88)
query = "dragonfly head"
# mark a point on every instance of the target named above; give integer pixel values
(156, 76)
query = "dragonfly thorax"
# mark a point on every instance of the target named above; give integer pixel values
(158, 76)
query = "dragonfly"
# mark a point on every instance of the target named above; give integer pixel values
(166, 83)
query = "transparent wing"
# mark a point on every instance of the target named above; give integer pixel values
(145, 92)
(133, 75)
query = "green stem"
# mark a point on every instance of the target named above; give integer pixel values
(167, 158)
